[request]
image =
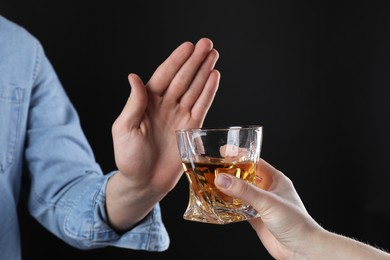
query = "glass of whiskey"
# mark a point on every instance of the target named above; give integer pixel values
(206, 152)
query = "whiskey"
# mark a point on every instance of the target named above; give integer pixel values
(206, 152)
(207, 200)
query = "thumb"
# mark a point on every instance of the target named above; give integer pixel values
(238, 188)
(133, 111)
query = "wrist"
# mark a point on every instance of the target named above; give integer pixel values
(128, 203)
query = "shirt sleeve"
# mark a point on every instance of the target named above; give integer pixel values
(149, 234)
(67, 193)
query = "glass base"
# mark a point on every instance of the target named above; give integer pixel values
(219, 215)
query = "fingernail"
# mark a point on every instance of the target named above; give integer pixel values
(223, 181)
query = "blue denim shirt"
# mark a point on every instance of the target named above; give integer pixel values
(41, 138)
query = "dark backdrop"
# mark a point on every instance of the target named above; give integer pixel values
(314, 74)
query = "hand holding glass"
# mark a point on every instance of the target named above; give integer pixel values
(206, 152)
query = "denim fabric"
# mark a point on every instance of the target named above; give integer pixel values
(41, 139)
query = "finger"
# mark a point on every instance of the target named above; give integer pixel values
(246, 191)
(265, 174)
(133, 111)
(241, 189)
(278, 183)
(204, 101)
(184, 77)
(165, 73)
(198, 84)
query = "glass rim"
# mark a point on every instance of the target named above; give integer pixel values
(220, 128)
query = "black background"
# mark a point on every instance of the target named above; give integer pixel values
(315, 74)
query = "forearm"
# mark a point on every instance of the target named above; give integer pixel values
(333, 246)
(126, 205)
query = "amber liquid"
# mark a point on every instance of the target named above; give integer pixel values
(207, 203)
